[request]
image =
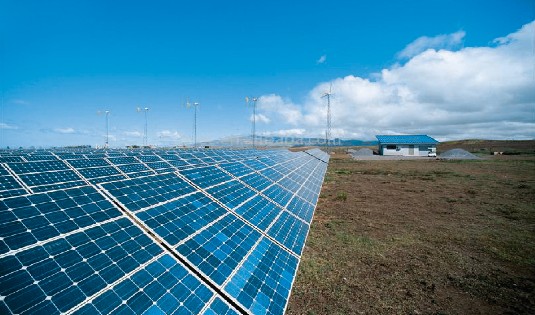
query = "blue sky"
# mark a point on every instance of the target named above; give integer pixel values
(451, 69)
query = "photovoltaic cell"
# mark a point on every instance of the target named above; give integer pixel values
(206, 176)
(140, 193)
(259, 211)
(263, 283)
(218, 307)
(176, 220)
(217, 250)
(231, 193)
(290, 231)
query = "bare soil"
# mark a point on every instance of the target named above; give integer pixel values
(421, 237)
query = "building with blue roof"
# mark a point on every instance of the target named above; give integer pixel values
(407, 145)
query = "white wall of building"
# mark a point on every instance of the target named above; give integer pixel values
(406, 149)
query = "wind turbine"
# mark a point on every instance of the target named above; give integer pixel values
(328, 131)
(145, 136)
(249, 100)
(194, 105)
(107, 113)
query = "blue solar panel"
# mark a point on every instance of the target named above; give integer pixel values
(262, 284)
(176, 220)
(231, 193)
(218, 307)
(237, 169)
(259, 211)
(218, 249)
(206, 176)
(227, 243)
(290, 231)
(278, 194)
(140, 193)
(256, 181)
(33, 167)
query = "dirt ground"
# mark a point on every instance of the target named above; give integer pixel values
(421, 237)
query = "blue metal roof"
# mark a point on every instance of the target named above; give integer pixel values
(405, 139)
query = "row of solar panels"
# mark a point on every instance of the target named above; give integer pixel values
(118, 234)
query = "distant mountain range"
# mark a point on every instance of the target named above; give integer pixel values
(240, 141)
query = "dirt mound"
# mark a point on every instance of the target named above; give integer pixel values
(458, 154)
(361, 152)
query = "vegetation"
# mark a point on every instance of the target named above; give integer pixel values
(421, 237)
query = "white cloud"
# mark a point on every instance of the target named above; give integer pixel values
(7, 126)
(474, 92)
(260, 118)
(286, 110)
(296, 132)
(168, 134)
(322, 59)
(421, 44)
(67, 130)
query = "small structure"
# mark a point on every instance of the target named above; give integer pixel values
(407, 145)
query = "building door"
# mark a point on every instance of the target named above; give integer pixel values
(411, 149)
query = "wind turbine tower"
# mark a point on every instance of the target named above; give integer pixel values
(253, 100)
(107, 113)
(145, 136)
(194, 105)
(328, 131)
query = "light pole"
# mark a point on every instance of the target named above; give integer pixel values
(253, 100)
(107, 113)
(145, 136)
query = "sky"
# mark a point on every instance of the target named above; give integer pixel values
(450, 69)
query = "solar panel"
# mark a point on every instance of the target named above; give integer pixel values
(183, 231)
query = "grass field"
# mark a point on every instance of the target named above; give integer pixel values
(421, 237)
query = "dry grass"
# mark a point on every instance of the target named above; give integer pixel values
(421, 237)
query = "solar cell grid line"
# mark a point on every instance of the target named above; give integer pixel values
(216, 306)
(150, 158)
(8, 172)
(159, 286)
(87, 163)
(231, 193)
(206, 176)
(29, 220)
(6, 159)
(290, 231)
(236, 169)
(260, 211)
(97, 172)
(222, 197)
(47, 181)
(263, 282)
(179, 219)
(141, 193)
(121, 160)
(36, 167)
(256, 181)
(217, 249)
(278, 194)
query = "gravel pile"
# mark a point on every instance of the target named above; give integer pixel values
(458, 154)
(361, 152)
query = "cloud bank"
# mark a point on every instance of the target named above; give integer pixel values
(474, 92)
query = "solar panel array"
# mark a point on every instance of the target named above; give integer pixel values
(153, 231)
